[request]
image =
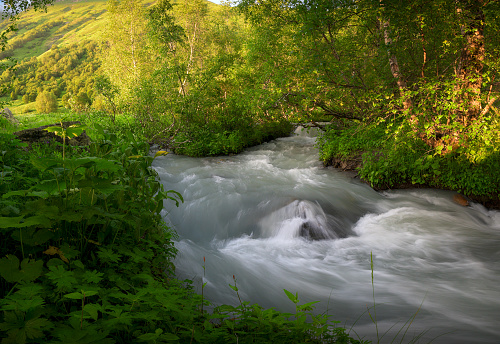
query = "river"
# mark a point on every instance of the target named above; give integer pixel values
(275, 218)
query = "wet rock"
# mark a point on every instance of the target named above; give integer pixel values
(41, 136)
(352, 164)
(459, 199)
(309, 231)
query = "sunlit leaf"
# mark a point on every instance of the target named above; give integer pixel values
(160, 153)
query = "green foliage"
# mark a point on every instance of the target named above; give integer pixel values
(5, 124)
(346, 140)
(108, 91)
(65, 71)
(74, 217)
(46, 102)
(405, 159)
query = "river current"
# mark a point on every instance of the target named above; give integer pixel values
(275, 218)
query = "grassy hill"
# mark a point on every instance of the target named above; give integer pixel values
(53, 52)
(65, 23)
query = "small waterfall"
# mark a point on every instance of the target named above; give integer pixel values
(299, 218)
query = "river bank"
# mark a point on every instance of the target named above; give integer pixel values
(351, 166)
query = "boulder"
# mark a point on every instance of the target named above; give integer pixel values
(41, 136)
(10, 116)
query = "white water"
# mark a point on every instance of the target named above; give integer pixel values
(246, 214)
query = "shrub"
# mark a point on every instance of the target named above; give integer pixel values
(46, 102)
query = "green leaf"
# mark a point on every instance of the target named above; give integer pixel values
(74, 130)
(62, 278)
(169, 336)
(11, 222)
(20, 326)
(102, 185)
(45, 163)
(229, 324)
(107, 165)
(81, 295)
(51, 186)
(74, 296)
(28, 271)
(32, 236)
(93, 310)
(75, 163)
(293, 298)
(23, 303)
(57, 130)
(307, 306)
(150, 336)
(108, 256)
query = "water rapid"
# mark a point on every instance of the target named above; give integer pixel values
(276, 219)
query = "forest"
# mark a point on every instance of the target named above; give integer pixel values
(407, 91)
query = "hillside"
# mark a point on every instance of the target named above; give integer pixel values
(56, 51)
(65, 23)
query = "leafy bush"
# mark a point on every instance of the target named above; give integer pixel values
(347, 140)
(46, 102)
(391, 158)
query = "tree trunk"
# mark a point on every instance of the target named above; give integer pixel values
(395, 71)
(470, 64)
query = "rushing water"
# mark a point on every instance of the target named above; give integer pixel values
(276, 219)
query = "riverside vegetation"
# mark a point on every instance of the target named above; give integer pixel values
(410, 89)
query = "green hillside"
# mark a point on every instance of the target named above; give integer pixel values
(65, 23)
(57, 51)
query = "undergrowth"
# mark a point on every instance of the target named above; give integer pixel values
(398, 157)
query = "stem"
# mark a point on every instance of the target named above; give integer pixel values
(202, 286)
(374, 304)
(237, 292)
(21, 237)
(10, 291)
(83, 305)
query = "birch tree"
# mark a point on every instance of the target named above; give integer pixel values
(126, 57)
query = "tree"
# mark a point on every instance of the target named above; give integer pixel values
(431, 63)
(104, 87)
(126, 57)
(46, 102)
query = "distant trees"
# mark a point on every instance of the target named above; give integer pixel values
(10, 13)
(51, 73)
